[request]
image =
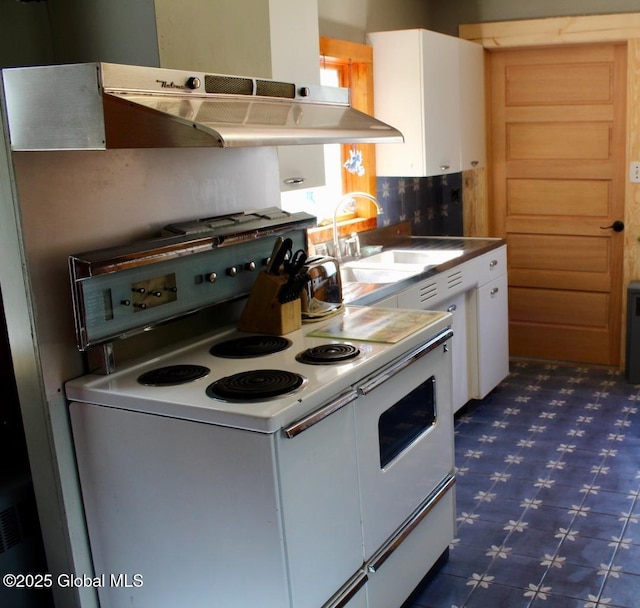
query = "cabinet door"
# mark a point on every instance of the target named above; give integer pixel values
(493, 335)
(441, 93)
(295, 53)
(318, 467)
(457, 307)
(301, 167)
(416, 89)
(472, 106)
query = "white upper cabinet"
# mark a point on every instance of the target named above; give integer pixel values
(473, 149)
(424, 85)
(276, 39)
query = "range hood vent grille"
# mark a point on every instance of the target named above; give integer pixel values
(235, 85)
(228, 85)
(269, 88)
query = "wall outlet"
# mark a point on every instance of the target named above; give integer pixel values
(634, 172)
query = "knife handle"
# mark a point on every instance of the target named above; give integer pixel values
(274, 253)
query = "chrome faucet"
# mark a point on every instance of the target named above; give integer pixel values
(347, 197)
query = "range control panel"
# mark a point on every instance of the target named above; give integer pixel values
(138, 294)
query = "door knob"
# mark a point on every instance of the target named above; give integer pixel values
(618, 226)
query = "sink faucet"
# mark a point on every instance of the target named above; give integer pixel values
(347, 197)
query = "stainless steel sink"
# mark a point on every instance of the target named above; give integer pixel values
(422, 258)
(353, 272)
(394, 265)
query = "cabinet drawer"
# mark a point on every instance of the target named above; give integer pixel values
(400, 574)
(491, 265)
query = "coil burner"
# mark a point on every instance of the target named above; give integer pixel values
(256, 385)
(250, 346)
(172, 375)
(328, 354)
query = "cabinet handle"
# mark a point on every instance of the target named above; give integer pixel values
(308, 421)
(389, 548)
(493, 263)
(475, 163)
(444, 167)
(352, 587)
(494, 291)
(404, 362)
(293, 181)
(452, 308)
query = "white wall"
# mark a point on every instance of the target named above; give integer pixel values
(24, 34)
(118, 31)
(351, 20)
(79, 201)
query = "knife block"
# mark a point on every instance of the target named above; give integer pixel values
(264, 314)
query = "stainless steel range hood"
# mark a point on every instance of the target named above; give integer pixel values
(95, 106)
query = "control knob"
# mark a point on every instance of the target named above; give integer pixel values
(193, 82)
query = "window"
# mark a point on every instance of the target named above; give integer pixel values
(349, 65)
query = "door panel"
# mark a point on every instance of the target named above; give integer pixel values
(558, 154)
(560, 253)
(559, 84)
(591, 198)
(539, 141)
(559, 307)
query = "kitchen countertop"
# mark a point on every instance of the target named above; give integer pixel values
(365, 294)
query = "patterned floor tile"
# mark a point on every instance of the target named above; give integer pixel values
(497, 595)
(548, 495)
(571, 580)
(623, 590)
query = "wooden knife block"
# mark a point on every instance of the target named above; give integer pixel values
(264, 314)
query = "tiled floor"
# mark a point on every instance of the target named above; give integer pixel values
(548, 512)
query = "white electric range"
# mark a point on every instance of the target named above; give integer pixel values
(233, 471)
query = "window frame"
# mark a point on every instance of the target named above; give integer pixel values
(354, 64)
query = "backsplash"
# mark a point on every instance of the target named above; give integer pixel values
(433, 205)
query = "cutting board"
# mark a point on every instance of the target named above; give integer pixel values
(376, 324)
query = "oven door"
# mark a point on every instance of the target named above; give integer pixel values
(404, 428)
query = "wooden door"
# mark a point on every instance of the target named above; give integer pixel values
(558, 161)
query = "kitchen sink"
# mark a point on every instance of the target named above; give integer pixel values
(354, 272)
(394, 265)
(422, 258)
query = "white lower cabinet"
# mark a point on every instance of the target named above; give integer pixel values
(492, 364)
(459, 355)
(476, 293)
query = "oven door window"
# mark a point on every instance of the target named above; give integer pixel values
(407, 419)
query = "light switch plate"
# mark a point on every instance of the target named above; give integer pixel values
(634, 172)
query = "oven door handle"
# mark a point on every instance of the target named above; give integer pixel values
(389, 548)
(342, 598)
(308, 421)
(405, 362)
